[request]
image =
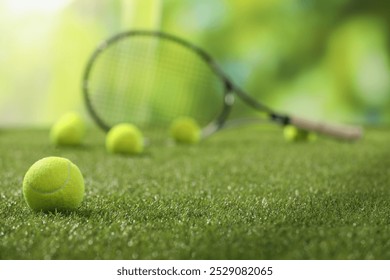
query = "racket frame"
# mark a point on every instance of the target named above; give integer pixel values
(336, 131)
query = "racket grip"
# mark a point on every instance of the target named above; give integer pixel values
(336, 131)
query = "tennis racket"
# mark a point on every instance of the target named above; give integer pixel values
(150, 78)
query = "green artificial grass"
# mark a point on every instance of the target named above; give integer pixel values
(243, 194)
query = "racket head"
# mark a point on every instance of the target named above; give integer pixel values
(150, 78)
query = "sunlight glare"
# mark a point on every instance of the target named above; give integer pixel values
(26, 7)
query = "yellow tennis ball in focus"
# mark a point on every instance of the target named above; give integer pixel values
(53, 183)
(125, 139)
(69, 130)
(186, 130)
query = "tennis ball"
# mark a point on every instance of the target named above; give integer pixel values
(185, 130)
(125, 139)
(294, 134)
(69, 130)
(53, 183)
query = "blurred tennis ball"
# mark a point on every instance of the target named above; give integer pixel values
(293, 134)
(125, 139)
(69, 130)
(185, 130)
(53, 183)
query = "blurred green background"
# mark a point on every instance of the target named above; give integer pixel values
(327, 59)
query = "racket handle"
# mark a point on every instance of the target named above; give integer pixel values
(337, 131)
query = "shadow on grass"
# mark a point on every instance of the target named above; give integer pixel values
(78, 213)
(78, 148)
(146, 154)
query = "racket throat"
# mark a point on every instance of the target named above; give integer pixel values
(280, 119)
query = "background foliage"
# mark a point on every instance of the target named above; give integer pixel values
(325, 59)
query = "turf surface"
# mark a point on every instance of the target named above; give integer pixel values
(243, 194)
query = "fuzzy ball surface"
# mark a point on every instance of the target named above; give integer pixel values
(69, 130)
(293, 134)
(185, 130)
(125, 139)
(53, 183)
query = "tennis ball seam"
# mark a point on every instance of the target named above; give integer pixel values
(58, 189)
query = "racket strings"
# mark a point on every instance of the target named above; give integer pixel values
(149, 81)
